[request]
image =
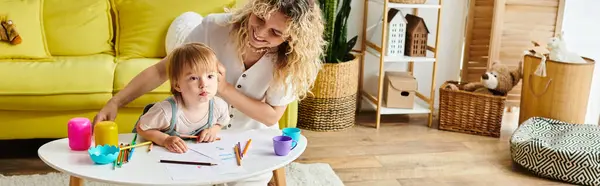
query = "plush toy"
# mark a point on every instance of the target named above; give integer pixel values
(8, 32)
(559, 52)
(499, 80)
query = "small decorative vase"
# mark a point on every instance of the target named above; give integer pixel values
(79, 133)
(106, 133)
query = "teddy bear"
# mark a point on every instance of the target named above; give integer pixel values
(498, 80)
(8, 32)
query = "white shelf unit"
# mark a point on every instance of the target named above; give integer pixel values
(423, 103)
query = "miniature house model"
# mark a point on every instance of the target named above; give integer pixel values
(396, 33)
(416, 36)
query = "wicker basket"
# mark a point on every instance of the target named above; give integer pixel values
(471, 113)
(332, 104)
(408, 1)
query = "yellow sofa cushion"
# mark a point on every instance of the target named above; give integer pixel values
(126, 70)
(78, 27)
(69, 83)
(27, 17)
(52, 124)
(142, 25)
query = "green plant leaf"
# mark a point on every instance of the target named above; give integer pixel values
(350, 45)
(336, 30)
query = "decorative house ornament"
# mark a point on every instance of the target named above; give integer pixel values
(396, 33)
(416, 36)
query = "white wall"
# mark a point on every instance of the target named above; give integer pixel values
(452, 24)
(581, 32)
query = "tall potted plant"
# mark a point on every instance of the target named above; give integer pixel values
(332, 104)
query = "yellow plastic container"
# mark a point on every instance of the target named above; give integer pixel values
(106, 133)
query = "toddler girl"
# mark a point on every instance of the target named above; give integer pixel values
(193, 109)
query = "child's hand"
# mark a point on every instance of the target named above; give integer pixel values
(210, 134)
(175, 144)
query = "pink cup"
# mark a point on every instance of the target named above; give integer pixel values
(80, 134)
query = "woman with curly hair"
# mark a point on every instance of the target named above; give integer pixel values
(270, 53)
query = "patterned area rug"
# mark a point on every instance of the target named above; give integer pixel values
(297, 174)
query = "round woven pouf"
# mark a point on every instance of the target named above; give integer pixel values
(332, 104)
(558, 150)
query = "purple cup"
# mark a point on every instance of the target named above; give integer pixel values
(283, 145)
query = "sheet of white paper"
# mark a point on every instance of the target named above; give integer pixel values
(182, 171)
(206, 149)
(224, 151)
(228, 162)
(219, 152)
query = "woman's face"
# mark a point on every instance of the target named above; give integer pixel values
(266, 33)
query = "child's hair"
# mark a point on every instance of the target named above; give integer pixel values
(196, 56)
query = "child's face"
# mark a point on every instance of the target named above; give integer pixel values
(197, 87)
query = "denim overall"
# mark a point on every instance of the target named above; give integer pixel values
(171, 131)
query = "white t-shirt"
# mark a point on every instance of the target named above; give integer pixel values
(160, 114)
(255, 82)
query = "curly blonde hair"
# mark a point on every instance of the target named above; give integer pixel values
(299, 58)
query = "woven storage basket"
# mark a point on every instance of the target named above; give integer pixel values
(332, 105)
(408, 1)
(471, 113)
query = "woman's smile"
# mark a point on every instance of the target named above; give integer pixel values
(256, 41)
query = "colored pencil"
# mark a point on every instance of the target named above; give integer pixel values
(188, 162)
(117, 160)
(131, 151)
(115, 163)
(126, 156)
(120, 158)
(195, 137)
(246, 147)
(237, 156)
(239, 148)
(150, 148)
(136, 145)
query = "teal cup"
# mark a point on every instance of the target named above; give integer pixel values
(293, 133)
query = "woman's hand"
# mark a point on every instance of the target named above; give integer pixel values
(209, 135)
(107, 113)
(175, 144)
(144, 82)
(222, 80)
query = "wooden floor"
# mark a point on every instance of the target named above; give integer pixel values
(404, 151)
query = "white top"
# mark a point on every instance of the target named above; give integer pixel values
(159, 117)
(254, 82)
(144, 167)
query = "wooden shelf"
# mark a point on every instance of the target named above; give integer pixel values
(400, 5)
(388, 59)
(423, 104)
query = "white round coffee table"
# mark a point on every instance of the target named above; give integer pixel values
(145, 169)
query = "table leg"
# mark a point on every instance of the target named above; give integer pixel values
(75, 181)
(279, 176)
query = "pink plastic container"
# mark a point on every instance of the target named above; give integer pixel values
(80, 134)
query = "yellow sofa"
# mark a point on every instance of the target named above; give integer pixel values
(76, 54)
